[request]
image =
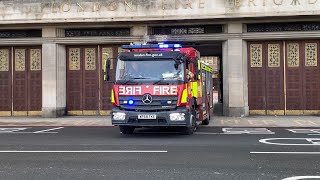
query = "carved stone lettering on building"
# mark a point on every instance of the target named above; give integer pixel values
(74, 59)
(80, 6)
(262, 3)
(295, 2)
(4, 59)
(20, 59)
(293, 54)
(102, 10)
(312, 1)
(256, 55)
(35, 59)
(90, 59)
(185, 4)
(252, 3)
(311, 51)
(273, 55)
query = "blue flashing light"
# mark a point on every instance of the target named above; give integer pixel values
(163, 102)
(130, 102)
(151, 46)
(163, 45)
(177, 45)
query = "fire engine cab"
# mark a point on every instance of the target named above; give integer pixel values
(160, 85)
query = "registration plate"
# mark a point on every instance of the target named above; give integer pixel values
(147, 116)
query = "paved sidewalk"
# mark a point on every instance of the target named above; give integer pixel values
(219, 121)
(62, 121)
(266, 121)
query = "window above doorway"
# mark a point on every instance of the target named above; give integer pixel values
(97, 32)
(20, 33)
(186, 30)
(277, 27)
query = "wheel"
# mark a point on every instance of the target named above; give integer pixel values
(190, 130)
(205, 122)
(126, 129)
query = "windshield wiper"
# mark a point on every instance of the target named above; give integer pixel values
(141, 78)
(160, 81)
(130, 80)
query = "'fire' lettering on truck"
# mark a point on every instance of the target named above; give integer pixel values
(165, 90)
(153, 90)
(130, 90)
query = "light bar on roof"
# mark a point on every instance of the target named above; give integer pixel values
(151, 46)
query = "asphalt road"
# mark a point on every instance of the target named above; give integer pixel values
(211, 153)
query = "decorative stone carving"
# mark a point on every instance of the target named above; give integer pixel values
(293, 58)
(4, 59)
(35, 59)
(90, 59)
(311, 54)
(20, 59)
(273, 55)
(256, 55)
(74, 59)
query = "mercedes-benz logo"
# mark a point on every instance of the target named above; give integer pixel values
(147, 99)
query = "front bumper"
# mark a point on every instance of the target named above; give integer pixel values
(162, 118)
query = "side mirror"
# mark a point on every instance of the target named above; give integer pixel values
(176, 66)
(197, 68)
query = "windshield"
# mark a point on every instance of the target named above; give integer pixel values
(152, 70)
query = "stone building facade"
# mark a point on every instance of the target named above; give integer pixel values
(51, 51)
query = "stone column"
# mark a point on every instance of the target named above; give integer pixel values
(139, 30)
(53, 75)
(235, 81)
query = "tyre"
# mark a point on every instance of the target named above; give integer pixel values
(190, 130)
(205, 122)
(126, 129)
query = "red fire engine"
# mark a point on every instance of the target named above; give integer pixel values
(161, 85)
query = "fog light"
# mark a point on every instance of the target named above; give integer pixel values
(118, 116)
(177, 116)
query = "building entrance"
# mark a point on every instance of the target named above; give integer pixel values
(284, 78)
(20, 81)
(87, 92)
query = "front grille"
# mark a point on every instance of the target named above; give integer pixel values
(159, 103)
(147, 121)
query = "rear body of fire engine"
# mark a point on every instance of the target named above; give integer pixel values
(161, 86)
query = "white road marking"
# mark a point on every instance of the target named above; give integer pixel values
(11, 130)
(305, 131)
(285, 152)
(46, 130)
(206, 133)
(302, 177)
(28, 133)
(246, 131)
(311, 141)
(235, 131)
(84, 151)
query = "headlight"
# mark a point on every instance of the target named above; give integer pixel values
(177, 117)
(119, 116)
